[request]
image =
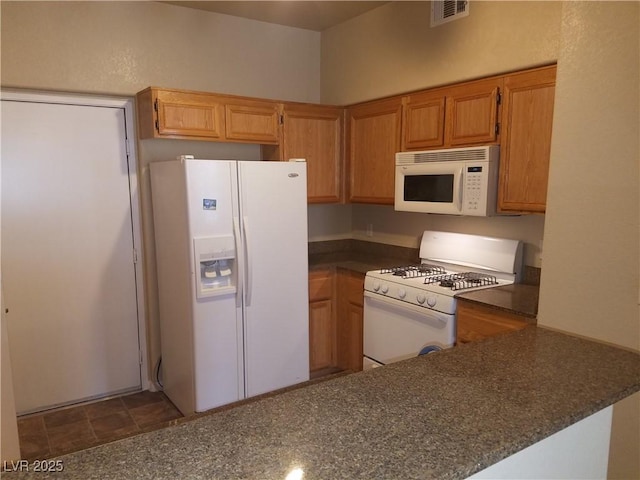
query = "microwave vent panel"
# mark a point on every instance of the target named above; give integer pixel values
(444, 11)
(473, 154)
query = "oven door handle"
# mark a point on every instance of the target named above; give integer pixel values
(441, 317)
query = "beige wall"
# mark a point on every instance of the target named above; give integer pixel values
(392, 49)
(590, 282)
(123, 47)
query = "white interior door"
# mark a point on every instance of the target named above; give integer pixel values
(68, 271)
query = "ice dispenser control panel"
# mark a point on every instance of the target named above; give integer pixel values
(215, 265)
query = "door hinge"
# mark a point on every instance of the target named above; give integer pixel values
(499, 97)
(155, 105)
(157, 126)
(140, 359)
(135, 255)
(497, 129)
(127, 147)
(281, 119)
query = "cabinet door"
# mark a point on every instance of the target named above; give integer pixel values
(374, 138)
(423, 120)
(475, 322)
(187, 114)
(321, 335)
(350, 320)
(527, 119)
(315, 133)
(252, 121)
(322, 325)
(472, 113)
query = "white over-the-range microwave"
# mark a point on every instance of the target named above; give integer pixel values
(455, 181)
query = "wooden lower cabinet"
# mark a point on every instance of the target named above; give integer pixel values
(350, 319)
(476, 322)
(322, 320)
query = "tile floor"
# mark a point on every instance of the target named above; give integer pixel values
(70, 429)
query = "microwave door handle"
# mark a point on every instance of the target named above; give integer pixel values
(460, 189)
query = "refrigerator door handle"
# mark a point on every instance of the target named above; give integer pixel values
(247, 262)
(240, 261)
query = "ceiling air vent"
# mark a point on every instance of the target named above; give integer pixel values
(443, 11)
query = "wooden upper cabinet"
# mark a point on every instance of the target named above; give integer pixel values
(178, 114)
(527, 119)
(423, 120)
(373, 139)
(314, 132)
(252, 121)
(472, 113)
(168, 113)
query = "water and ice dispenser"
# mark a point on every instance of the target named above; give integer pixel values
(215, 262)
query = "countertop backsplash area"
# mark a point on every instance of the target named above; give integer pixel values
(360, 247)
(531, 275)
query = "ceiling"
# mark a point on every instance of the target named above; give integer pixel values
(309, 15)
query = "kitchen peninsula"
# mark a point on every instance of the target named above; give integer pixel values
(447, 415)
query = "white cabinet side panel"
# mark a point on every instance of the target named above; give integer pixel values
(171, 230)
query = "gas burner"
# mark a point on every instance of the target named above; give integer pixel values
(414, 271)
(461, 281)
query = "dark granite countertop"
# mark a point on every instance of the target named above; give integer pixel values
(359, 256)
(518, 298)
(433, 416)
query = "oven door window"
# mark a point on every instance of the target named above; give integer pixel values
(436, 188)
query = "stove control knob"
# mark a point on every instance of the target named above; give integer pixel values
(431, 301)
(421, 298)
(402, 293)
(385, 288)
(376, 286)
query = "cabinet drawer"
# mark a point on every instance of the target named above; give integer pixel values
(320, 286)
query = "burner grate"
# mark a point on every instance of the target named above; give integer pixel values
(461, 281)
(414, 271)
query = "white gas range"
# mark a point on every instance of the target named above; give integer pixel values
(410, 310)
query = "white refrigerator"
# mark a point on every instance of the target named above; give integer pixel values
(231, 254)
